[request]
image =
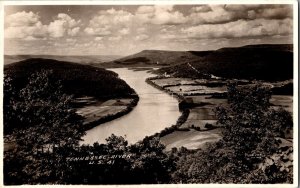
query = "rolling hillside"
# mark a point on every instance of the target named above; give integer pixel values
(157, 58)
(77, 79)
(94, 59)
(262, 62)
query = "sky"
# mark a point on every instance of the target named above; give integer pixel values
(128, 29)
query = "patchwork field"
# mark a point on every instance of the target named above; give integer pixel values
(195, 89)
(198, 94)
(98, 110)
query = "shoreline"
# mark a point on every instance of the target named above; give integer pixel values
(181, 119)
(186, 112)
(9, 144)
(111, 117)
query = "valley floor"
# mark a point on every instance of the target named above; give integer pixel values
(200, 97)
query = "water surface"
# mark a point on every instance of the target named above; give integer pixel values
(155, 111)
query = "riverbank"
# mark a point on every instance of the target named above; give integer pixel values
(186, 132)
(199, 97)
(96, 112)
(155, 111)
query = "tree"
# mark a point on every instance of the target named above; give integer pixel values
(250, 131)
(46, 122)
(143, 162)
(151, 163)
(46, 113)
(9, 105)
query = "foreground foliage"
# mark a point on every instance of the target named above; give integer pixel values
(254, 149)
(42, 120)
(46, 135)
(250, 136)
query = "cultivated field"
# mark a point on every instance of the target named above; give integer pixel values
(198, 95)
(98, 110)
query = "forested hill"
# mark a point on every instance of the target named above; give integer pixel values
(263, 62)
(158, 58)
(86, 59)
(77, 79)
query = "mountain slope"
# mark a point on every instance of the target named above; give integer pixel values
(263, 62)
(77, 79)
(92, 59)
(158, 58)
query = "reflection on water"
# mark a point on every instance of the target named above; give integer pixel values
(154, 111)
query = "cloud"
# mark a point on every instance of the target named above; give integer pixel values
(142, 37)
(168, 26)
(241, 28)
(38, 30)
(108, 21)
(201, 8)
(27, 26)
(141, 30)
(124, 31)
(145, 9)
(98, 31)
(74, 31)
(89, 31)
(214, 14)
(261, 11)
(24, 25)
(114, 38)
(168, 36)
(217, 14)
(30, 38)
(275, 13)
(98, 38)
(160, 15)
(63, 25)
(23, 18)
(71, 40)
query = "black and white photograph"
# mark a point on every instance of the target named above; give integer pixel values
(168, 93)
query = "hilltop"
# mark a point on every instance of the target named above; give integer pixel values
(157, 58)
(77, 79)
(88, 59)
(262, 62)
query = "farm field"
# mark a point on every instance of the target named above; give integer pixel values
(201, 126)
(99, 110)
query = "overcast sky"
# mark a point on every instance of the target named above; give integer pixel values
(123, 30)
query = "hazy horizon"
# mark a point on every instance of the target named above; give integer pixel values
(122, 30)
(139, 51)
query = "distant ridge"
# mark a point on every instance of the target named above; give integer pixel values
(89, 59)
(262, 62)
(159, 58)
(274, 47)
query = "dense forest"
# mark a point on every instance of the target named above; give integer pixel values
(254, 147)
(76, 79)
(247, 62)
(159, 58)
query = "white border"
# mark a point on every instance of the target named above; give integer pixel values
(179, 2)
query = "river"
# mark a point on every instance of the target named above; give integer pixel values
(155, 111)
